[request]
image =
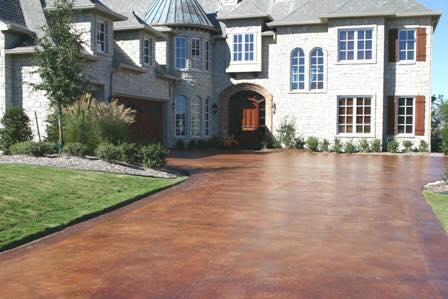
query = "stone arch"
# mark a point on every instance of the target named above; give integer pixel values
(224, 99)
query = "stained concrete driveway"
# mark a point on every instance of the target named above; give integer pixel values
(277, 225)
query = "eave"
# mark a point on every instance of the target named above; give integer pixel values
(99, 9)
(141, 27)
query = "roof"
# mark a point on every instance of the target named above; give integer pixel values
(177, 13)
(96, 5)
(11, 12)
(247, 9)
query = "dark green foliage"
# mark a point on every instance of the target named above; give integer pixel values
(407, 144)
(375, 146)
(269, 141)
(180, 144)
(192, 144)
(16, 128)
(364, 146)
(215, 142)
(52, 128)
(299, 142)
(130, 153)
(35, 149)
(312, 144)
(287, 134)
(444, 140)
(202, 144)
(108, 152)
(423, 147)
(337, 146)
(350, 147)
(393, 145)
(324, 145)
(154, 156)
(76, 149)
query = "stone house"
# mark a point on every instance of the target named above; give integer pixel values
(193, 69)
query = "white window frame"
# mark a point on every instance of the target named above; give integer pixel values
(298, 73)
(196, 59)
(148, 50)
(177, 55)
(239, 46)
(178, 116)
(397, 117)
(245, 47)
(196, 124)
(406, 50)
(356, 49)
(355, 115)
(317, 72)
(101, 44)
(249, 47)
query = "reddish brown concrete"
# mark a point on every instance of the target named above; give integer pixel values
(278, 225)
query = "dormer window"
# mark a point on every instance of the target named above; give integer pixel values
(147, 51)
(101, 36)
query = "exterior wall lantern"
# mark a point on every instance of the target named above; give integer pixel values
(214, 108)
(274, 108)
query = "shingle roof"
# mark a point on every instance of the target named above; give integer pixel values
(247, 9)
(89, 4)
(177, 12)
(11, 12)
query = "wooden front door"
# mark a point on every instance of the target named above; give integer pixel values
(247, 119)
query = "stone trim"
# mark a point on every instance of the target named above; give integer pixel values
(224, 99)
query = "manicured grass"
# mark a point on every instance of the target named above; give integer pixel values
(35, 201)
(439, 203)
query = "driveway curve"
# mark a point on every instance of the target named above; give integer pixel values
(252, 225)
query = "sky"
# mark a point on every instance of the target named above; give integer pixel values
(440, 48)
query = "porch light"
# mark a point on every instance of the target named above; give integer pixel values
(214, 108)
(274, 108)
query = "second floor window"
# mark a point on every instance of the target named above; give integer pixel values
(207, 55)
(101, 36)
(196, 55)
(317, 69)
(147, 51)
(181, 53)
(406, 39)
(355, 44)
(297, 69)
(244, 47)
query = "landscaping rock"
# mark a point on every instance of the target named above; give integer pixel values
(437, 187)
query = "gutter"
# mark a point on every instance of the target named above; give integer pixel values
(240, 17)
(132, 68)
(142, 27)
(21, 50)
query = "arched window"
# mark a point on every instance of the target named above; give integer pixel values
(317, 69)
(181, 116)
(297, 69)
(196, 116)
(207, 117)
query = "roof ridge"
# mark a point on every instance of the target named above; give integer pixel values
(297, 8)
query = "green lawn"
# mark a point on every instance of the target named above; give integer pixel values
(35, 201)
(439, 203)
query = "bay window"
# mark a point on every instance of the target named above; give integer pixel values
(243, 47)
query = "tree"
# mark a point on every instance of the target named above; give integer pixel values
(16, 128)
(58, 59)
(440, 123)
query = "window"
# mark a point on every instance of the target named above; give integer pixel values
(196, 116)
(207, 117)
(207, 56)
(297, 69)
(196, 56)
(181, 116)
(238, 47)
(405, 115)
(181, 53)
(100, 36)
(354, 115)
(406, 39)
(317, 69)
(249, 47)
(359, 42)
(147, 51)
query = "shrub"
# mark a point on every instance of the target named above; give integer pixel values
(154, 156)
(375, 146)
(215, 142)
(202, 144)
(78, 124)
(30, 148)
(49, 148)
(393, 145)
(180, 144)
(444, 142)
(76, 149)
(299, 142)
(129, 152)
(407, 144)
(269, 141)
(16, 128)
(52, 128)
(287, 134)
(337, 146)
(108, 152)
(312, 144)
(364, 145)
(324, 145)
(191, 144)
(423, 147)
(350, 147)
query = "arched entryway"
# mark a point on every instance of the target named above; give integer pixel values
(246, 113)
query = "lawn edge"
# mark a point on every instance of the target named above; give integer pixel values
(50, 231)
(424, 193)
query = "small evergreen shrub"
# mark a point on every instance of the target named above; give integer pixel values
(29, 148)
(269, 141)
(215, 142)
(202, 144)
(375, 146)
(393, 145)
(337, 146)
(350, 147)
(129, 153)
(154, 156)
(312, 144)
(364, 146)
(299, 142)
(192, 144)
(180, 144)
(423, 147)
(76, 149)
(49, 148)
(16, 128)
(108, 152)
(324, 145)
(407, 144)
(286, 134)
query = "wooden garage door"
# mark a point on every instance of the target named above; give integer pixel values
(148, 126)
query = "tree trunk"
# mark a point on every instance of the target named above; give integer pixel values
(61, 131)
